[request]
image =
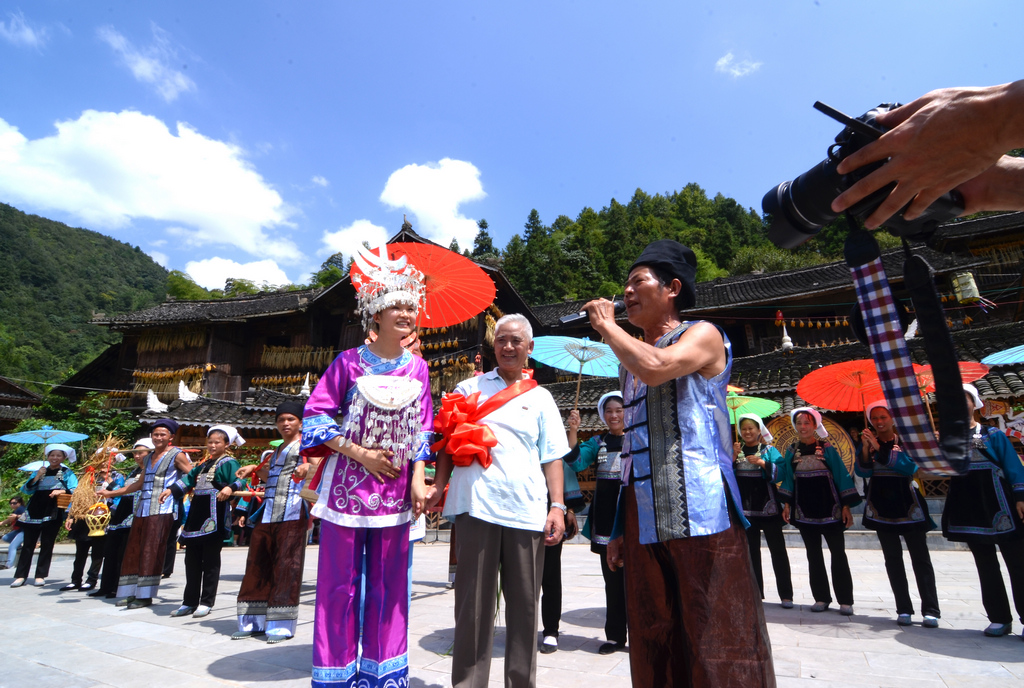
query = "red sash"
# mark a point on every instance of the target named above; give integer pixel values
(463, 437)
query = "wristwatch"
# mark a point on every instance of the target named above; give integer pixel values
(557, 505)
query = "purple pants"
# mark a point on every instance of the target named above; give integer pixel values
(337, 662)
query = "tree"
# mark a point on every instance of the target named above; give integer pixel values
(454, 246)
(182, 287)
(483, 244)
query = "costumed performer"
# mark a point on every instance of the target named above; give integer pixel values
(152, 521)
(695, 617)
(119, 525)
(602, 451)
(43, 518)
(212, 483)
(818, 492)
(268, 601)
(895, 507)
(757, 470)
(985, 508)
(371, 484)
(106, 478)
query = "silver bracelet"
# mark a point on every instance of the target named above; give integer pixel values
(557, 505)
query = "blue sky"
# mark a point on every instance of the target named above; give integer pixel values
(254, 138)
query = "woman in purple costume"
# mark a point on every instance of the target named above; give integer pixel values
(371, 485)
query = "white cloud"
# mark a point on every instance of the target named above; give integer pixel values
(16, 31)
(152, 64)
(433, 193)
(728, 64)
(160, 258)
(347, 239)
(320, 181)
(109, 168)
(211, 273)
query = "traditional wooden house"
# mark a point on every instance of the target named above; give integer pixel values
(235, 352)
(16, 404)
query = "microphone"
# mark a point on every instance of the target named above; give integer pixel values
(573, 318)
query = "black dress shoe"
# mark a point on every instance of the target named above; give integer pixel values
(110, 596)
(609, 648)
(70, 586)
(86, 586)
(101, 593)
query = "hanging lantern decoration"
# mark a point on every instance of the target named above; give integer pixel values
(779, 320)
(965, 288)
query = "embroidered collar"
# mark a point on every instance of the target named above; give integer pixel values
(374, 364)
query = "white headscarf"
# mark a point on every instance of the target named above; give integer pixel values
(145, 443)
(972, 392)
(233, 436)
(820, 428)
(604, 398)
(765, 435)
(881, 403)
(69, 453)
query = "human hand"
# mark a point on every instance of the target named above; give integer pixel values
(55, 493)
(1020, 510)
(418, 492)
(300, 471)
(574, 420)
(222, 496)
(377, 464)
(737, 450)
(245, 471)
(785, 513)
(571, 525)
(613, 555)
(432, 497)
(554, 526)
(869, 439)
(602, 314)
(934, 144)
(847, 517)
(164, 495)
(68, 522)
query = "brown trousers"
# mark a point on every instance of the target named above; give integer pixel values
(273, 570)
(481, 548)
(695, 614)
(144, 556)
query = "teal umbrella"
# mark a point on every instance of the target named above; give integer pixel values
(580, 356)
(1005, 357)
(741, 405)
(44, 435)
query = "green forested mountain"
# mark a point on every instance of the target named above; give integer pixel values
(52, 278)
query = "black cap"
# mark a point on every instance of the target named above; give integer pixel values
(295, 408)
(171, 425)
(676, 259)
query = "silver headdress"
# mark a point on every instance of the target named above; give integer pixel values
(385, 283)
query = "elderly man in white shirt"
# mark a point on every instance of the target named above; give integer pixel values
(506, 501)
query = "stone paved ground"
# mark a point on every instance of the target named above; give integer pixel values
(67, 640)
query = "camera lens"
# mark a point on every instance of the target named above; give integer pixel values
(800, 208)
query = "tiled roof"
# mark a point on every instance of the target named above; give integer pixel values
(214, 310)
(979, 226)
(15, 412)
(742, 290)
(12, 392)
(257, 413)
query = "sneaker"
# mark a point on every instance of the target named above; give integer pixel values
(549, 645)
(183, 610)
(846, 609)
(609, 648)
(930, 621)
(819, 606)
(786, 604)
(904, 620)
(996, 630)
(201, 611)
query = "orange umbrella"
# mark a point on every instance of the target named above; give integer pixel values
(457, 289)
(847, 386)
(969, 372)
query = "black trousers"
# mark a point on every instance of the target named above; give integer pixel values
(842, 579)
(46, 535)
(993, 591)
(83, 547)
(551, 590)
(780, 559)
(113, 553)
(172, 544)
(614, 601)
(917, 545)
(202, 569)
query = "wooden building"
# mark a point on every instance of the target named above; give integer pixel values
(16, 404)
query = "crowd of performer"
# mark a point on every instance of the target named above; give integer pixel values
(676, 518)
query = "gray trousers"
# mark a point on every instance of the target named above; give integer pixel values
(482, 547)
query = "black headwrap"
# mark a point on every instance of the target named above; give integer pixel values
(295, 408)
(676, 259)
(171, 425)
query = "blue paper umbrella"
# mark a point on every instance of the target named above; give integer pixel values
(44, 435)
(580, 356)
(1005, 357)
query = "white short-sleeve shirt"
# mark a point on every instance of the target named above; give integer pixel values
(512, 491)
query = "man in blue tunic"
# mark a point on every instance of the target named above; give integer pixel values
(694, 609)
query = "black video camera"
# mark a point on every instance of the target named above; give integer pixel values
(800, 208)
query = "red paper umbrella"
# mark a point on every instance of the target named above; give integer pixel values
(457, 289)
(969, 372)
(848, 386)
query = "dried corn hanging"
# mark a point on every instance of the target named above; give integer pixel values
(172, 340)
(284, 357)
